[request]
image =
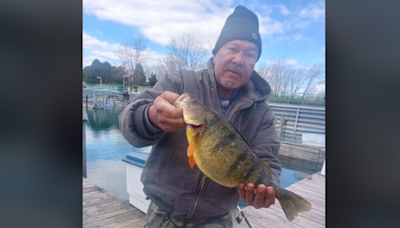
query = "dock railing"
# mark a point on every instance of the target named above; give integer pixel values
(293, 120)
(91, 96)
(308, 99)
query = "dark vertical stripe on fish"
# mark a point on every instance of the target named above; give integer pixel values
(252, 169)
(259, 180)
(234, 166)
(226, 141)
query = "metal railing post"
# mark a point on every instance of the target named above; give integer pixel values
(295, 123)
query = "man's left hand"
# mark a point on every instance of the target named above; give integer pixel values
(263, 197)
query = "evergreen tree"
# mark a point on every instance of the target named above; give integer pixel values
(138, 75)
(152, 79)
(109, 74)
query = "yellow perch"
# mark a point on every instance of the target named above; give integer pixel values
(222, 154)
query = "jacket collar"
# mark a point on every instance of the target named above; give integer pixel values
(256, 89)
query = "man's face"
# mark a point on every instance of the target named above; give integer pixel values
(233, 64)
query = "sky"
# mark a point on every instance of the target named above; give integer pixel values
(293, 30)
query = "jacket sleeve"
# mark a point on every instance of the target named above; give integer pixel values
(132, 120)
(265, 145)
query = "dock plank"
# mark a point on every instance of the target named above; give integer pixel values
(101, 209)
(128, 219)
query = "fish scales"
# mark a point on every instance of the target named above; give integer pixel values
(222, 154)
(216, 141)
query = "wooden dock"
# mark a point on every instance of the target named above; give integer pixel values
(312, 189)
(303, 152)
(100, 209)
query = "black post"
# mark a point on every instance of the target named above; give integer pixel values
(84, 119)
(84, 172)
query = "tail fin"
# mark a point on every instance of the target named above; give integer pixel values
(292, 204)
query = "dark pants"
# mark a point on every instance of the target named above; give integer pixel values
(158, 219)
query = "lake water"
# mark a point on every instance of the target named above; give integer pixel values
(106, 147)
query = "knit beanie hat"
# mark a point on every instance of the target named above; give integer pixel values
(242, 24)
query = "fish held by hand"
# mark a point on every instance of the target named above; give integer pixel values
(223, 155)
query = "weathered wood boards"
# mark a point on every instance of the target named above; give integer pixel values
(100, 209)
(304, 152)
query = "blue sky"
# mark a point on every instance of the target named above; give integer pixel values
(293, 29)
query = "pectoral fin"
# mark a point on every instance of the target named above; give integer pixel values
(190, 151)
(191, 161)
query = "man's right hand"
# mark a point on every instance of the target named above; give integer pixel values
(163, 113)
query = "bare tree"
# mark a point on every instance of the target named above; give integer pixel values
(286, 79)
(296, 80)
(133, 52)
(283, 73)
(313, 78)
(263, 70)
(278, 75)
(185, 52)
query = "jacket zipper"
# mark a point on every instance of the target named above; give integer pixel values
(197, 200)
(219, 102)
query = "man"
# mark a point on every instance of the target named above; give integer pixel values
(182, 197)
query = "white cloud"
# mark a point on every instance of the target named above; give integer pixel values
(284, 10)
(320, 88)
(96, 49)
(103, 51)
(153, 60)
(291, 61)
(315, 11)
(159, 21)
(269, 26)
(298, 36)
(288, 61)
(90, 42)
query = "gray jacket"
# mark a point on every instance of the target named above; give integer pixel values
(167, 177)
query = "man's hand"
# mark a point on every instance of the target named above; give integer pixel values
(163, 114)
(263, 198)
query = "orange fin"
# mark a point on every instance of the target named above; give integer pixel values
(191, 161)
(190, 151)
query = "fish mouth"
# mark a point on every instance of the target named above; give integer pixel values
(194, 127)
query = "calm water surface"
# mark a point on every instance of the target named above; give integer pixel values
(106, 147)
